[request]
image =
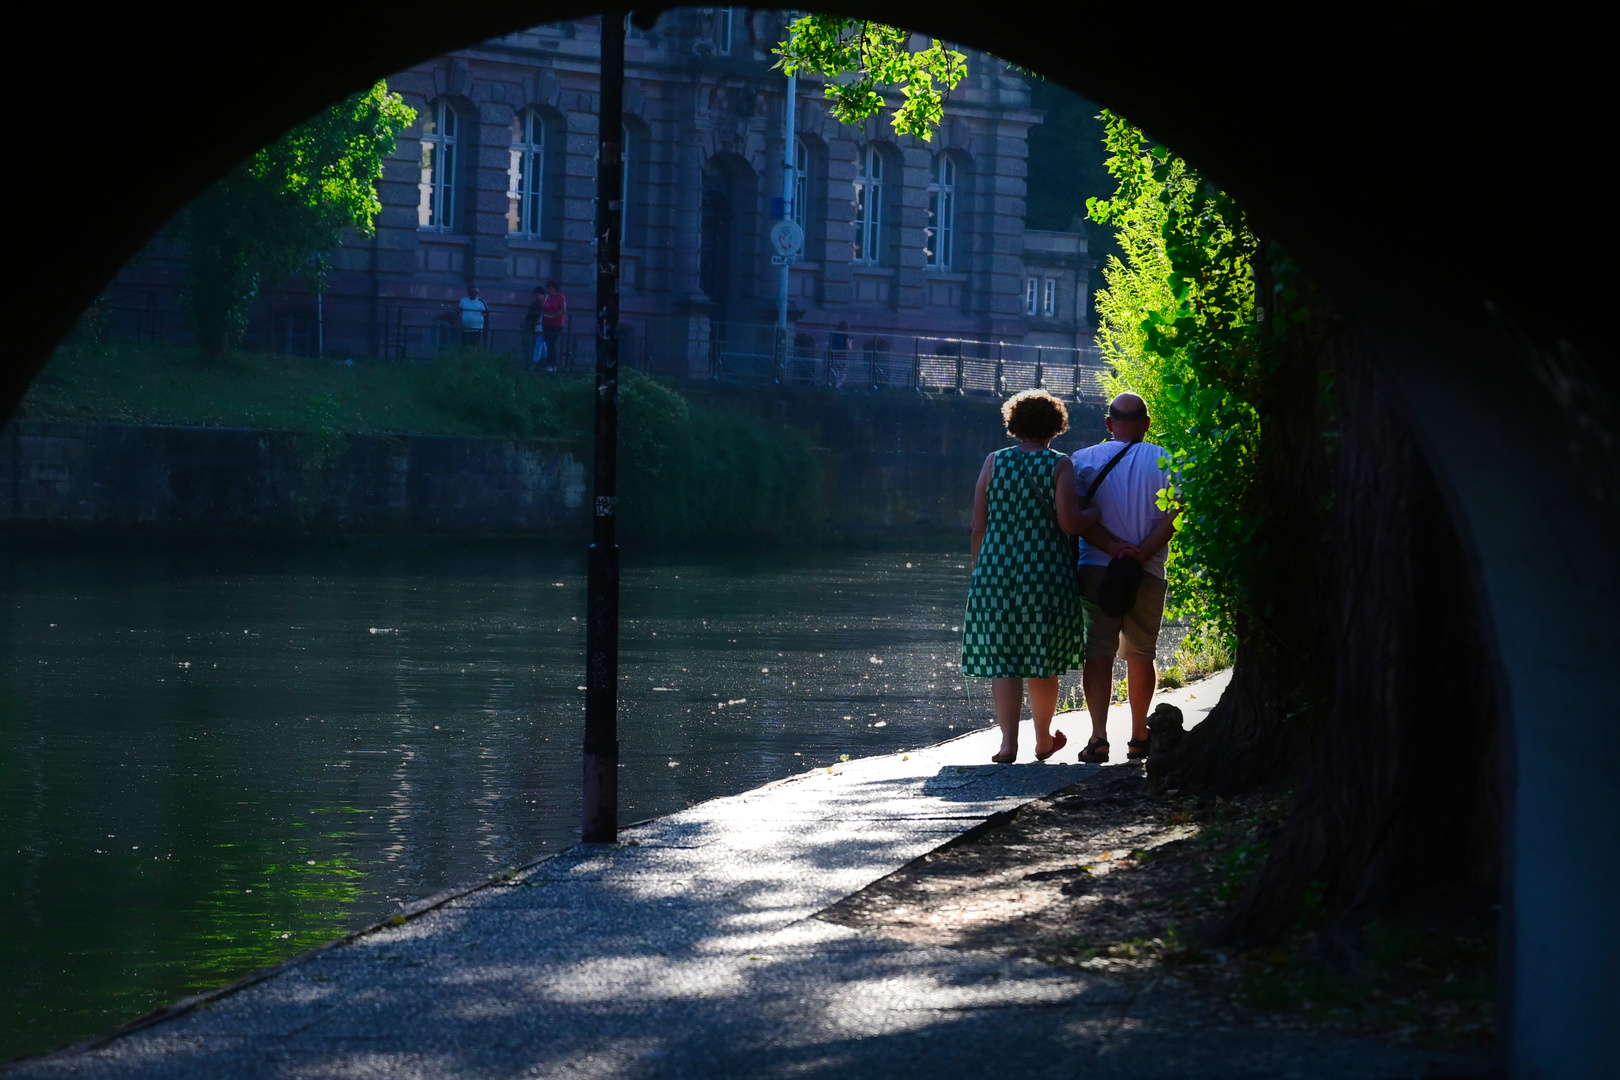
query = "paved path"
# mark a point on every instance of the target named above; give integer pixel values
(690, 951)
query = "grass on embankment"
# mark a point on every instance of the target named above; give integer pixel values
(686, 471)
(158, 384)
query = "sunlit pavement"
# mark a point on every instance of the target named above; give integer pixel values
(690, 950)
(1194, 701)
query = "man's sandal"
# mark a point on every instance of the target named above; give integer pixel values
(1096, 751)
(1138, 748)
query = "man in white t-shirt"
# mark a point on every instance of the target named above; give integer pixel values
(1131, 525)
(473, 311)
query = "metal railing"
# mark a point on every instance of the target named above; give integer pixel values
(859, 358)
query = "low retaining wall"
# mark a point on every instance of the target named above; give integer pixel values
(892, 465)
(57, 473)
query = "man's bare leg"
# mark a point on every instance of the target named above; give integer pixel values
(1098, 683)
(1140, 681)
(1008, 695)
(1043, 699)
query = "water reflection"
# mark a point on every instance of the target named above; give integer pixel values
(213, 758)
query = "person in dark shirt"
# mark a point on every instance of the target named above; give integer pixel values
(531, 322)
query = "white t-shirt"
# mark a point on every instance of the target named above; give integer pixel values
(472, 313)
(1128, 497)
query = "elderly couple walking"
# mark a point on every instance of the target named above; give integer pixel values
(1031, 613)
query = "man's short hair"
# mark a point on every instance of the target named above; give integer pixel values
(1134, 414)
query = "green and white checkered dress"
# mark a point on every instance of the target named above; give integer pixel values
(1024, 618)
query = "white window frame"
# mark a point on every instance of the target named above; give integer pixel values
(1031, 295)
(869, 207)
(624, 183)
(526, 176)
(1049, 298)
(939, 236)
(724, 26)
(436, 192)
(801, 182)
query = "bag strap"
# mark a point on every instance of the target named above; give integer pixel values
(1106, 469)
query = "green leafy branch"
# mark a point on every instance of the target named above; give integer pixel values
(1177, 325)
(877, 56)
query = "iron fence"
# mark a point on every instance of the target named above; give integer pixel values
(859, 358)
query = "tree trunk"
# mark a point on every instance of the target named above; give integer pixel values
(1367, 680)
(1401, 799)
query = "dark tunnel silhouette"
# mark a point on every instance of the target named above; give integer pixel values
(1426, 170)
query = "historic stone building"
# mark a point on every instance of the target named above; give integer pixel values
(495, 184)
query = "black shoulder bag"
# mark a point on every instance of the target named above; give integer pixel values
(1117, 593)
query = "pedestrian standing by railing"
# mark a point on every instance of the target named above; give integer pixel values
(553, 321)
(1024, 619)
(473, 313)
(531, 323)
(838, 354)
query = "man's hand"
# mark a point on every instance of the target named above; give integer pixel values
(1119, 549)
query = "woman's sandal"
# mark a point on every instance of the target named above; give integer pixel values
(1059, 741)
(1096, 751)
(1137, 749)
(1007, 759)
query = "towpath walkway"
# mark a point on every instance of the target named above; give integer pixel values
(691, 950)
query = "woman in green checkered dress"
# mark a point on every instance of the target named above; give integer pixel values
(1023, 613)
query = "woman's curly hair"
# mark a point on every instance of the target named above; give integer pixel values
(1035, 415)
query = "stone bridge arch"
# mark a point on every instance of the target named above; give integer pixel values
(1404, 162)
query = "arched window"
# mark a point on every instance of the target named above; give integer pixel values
(869, 207)
(939, 238)
(436, 202)
(801, 184)
(526, 175)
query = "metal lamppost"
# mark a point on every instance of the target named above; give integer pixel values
(601, 818)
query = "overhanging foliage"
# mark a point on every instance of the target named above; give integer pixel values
(284, 210)
(876, 56)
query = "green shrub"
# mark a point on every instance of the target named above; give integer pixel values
(685, 472)
(322, 442)
(479, 387)
(1205, 650)
(689, 472)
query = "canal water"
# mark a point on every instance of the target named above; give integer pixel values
(212, 758)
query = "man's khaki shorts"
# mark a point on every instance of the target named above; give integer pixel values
(1135, 636)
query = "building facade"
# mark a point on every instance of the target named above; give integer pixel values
(495, 185)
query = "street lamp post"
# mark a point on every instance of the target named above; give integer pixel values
(601, 812)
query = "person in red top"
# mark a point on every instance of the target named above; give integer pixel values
(553, 321)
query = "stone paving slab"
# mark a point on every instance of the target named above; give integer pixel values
(690, 950)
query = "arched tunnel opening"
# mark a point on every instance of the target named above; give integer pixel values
(1469, 342)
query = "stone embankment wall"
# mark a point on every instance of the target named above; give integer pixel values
(891, 465)
(84, 474)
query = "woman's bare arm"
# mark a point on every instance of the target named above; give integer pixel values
(1071, 519)
(981, 506)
